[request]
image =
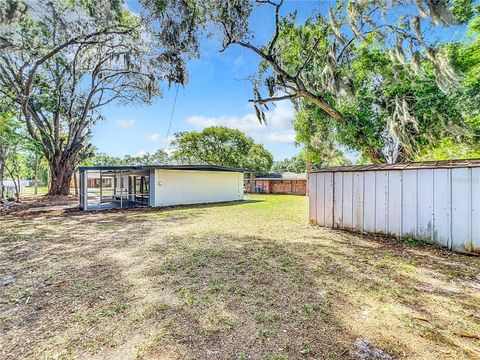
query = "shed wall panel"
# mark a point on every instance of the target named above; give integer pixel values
(441, 206)
(369, 201)
(425, 204)
(476, 210)
(381, 196)
(358, 201)
(338, 200)
(313, 198)
(409, 204)
(347, 208)
(461, 208)
(394, 224)
(328, 199)
(320, 189)
(151, 187)
(84, 190)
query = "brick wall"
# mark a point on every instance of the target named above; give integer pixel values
(281, 187)
(264, 185)
(297, 187)
(301, 187)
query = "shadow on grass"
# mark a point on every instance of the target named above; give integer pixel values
(268, 299)
(244, 297)
(187, 206)
(52, 308)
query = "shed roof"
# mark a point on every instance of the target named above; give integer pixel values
(164, 167)
(441, 164)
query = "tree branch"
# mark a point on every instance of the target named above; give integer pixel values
(277, 24)
(274, 98)
(56, 50)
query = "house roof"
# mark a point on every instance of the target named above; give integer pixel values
(282, 176)
(164, 167)
(441, 164)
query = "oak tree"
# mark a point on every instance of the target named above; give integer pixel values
(61, 62)
(218, 145)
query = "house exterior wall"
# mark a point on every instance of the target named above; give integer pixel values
(295, 187)
(177, 187)
(436, 205)
(152, 188)
(262, 186)
(301, 187)
(281, 187)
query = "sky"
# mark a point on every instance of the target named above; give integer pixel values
(217, 93)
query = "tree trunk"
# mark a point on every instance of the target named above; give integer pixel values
(35, 176)
(17, 187)
(322, 104)
(61, 175)
(251, 183)
(376, 157)
(2, 171)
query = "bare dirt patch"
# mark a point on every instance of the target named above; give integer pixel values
(44, 203)
(231, 281)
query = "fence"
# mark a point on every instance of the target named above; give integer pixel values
(10, 190)
(437, 202)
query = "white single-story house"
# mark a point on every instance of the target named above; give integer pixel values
(156, 186)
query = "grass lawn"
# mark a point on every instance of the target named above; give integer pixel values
(249, 280)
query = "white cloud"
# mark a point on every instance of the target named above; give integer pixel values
(156, 137)
(245, 123)
(126, 123)
(142, 152)
(279, 128)
(153, 137)
(285, 137)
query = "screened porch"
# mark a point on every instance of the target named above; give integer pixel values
(111, 188)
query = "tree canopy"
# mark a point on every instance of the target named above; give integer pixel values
(218, 145)
(299, 162)
(159, 157)
(394, 110)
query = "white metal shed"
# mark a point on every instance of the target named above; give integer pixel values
(106, 187)
(436, 201)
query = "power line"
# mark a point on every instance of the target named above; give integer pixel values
(171, 117)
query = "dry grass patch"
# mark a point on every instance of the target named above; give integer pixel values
(248, 280)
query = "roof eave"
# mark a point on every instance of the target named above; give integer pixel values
(164, 167)
(422, 165)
